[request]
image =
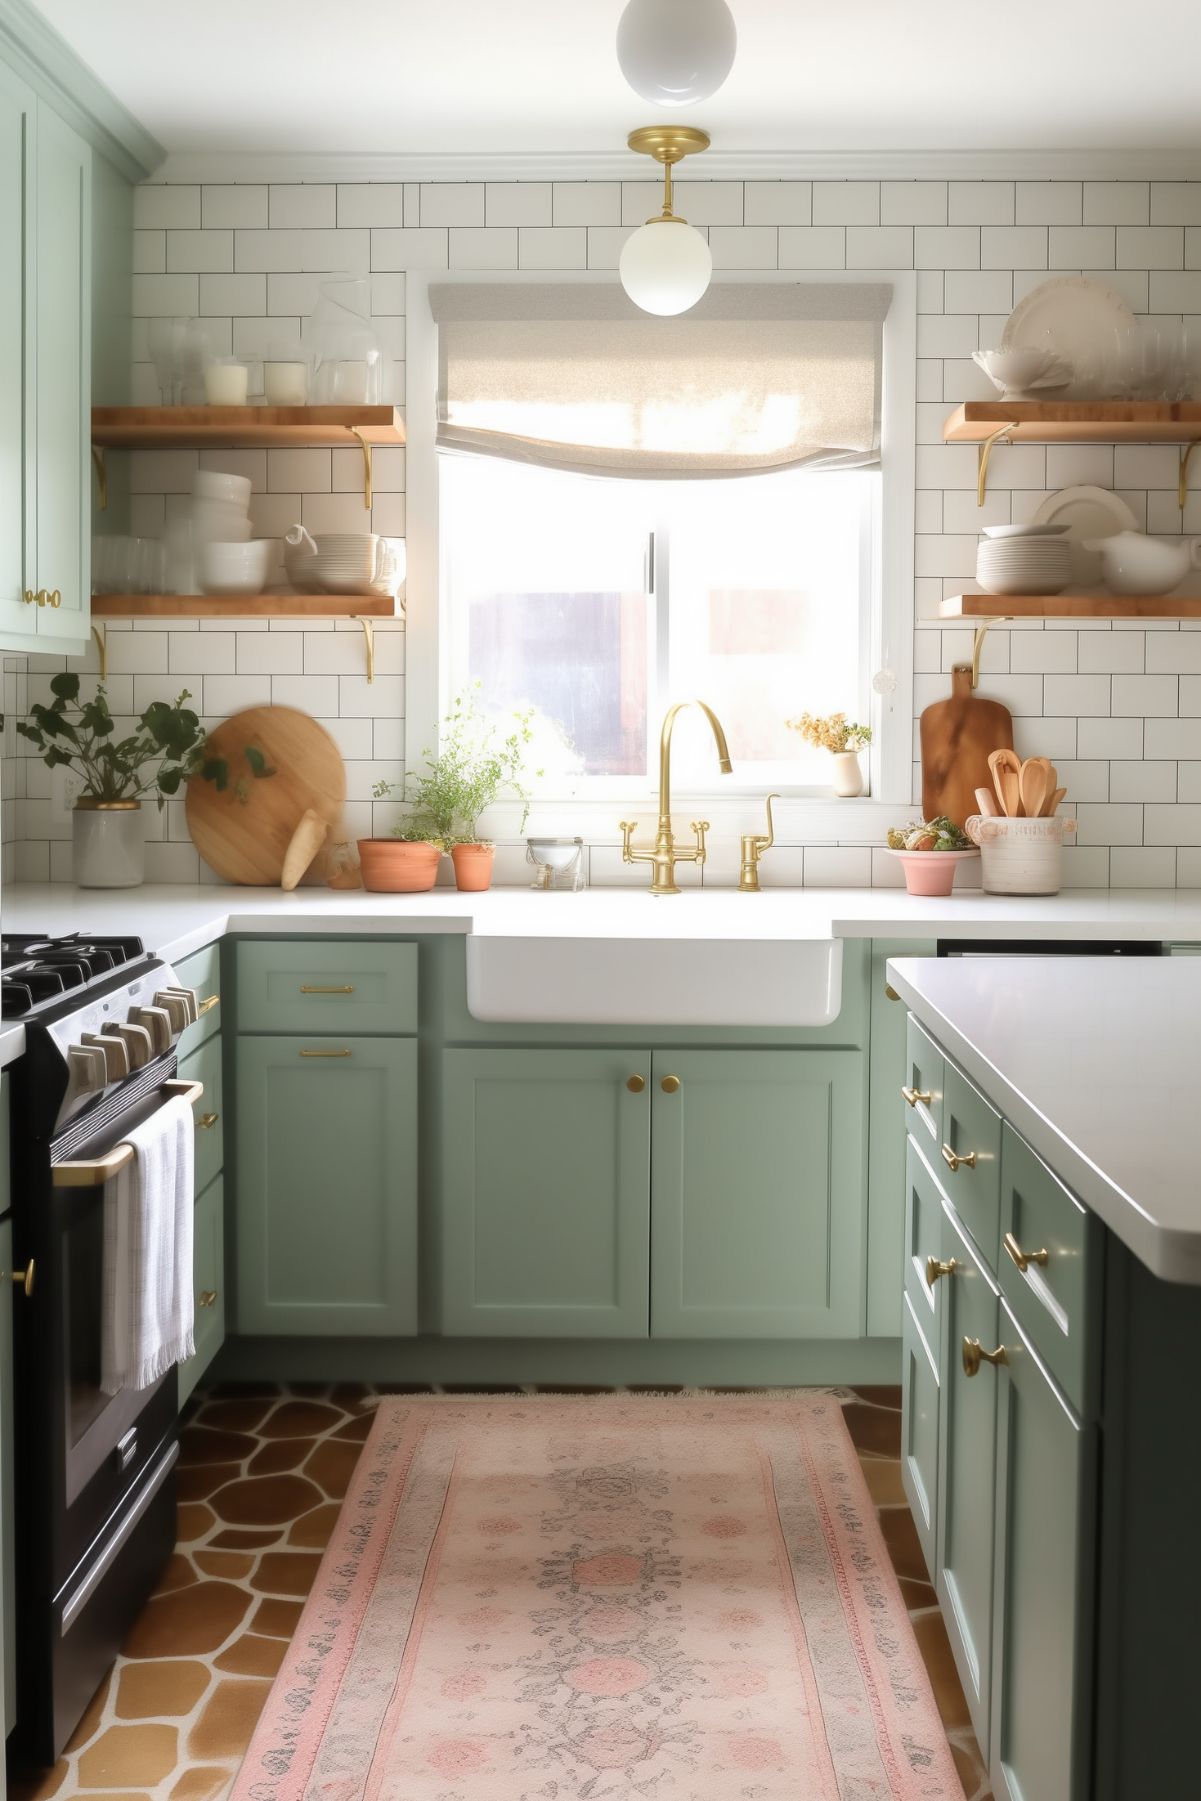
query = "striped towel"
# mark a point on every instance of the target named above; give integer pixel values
(148, 1309)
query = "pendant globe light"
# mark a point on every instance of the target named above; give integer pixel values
(666, 264)
(675, 52)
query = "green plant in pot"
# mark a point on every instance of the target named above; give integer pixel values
(167, 747)
(477, 761)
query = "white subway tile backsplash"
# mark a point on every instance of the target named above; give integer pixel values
(776, 203)
(879, 247)
(1117, 203)
(553, 247)
(946, 247)
(913, 203)
(452, 203)
(1179, 824)
(490, 247)
(311, 205)
(408, 247)
(1013, 247)
(585, 203)
(518, 203)
(1109, 823)
(743, 246)
(222, 295)
(1176, 738)
(265, 251)
(367, 203)
(1140, 867)
(980, 203)
(1049, 203)
(1150, 247)
(1143, 781)
(813, 247)
(846, 203)
(160, 207)
(1175, 203)
(244, 204)
(1148, 695)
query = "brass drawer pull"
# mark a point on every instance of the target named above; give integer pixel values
(28, 597)
(24, 1277)
(974, 1355)
(208, 1297)
(325, 1053)
(206, 1006)
(635, 1084)
(670, 1084)
(55, 598)
(206, 1121)
(935, 1269)
(953, 1162)
(1022, 1258)
(914, 1095)
(311, 988)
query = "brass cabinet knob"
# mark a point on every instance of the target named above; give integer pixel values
(24, 1277)
(890, 993)
(1022, 1258)
(55, 598)
(28, 597)
(914, 1095)
(635, 1084)
(953, 1162)
(207, 1297)
(206, 1121)
(670, 1084)
(935, 1269)
(974, 1355)
(41, 597)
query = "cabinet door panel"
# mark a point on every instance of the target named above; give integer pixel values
(1042, 1673)
(208, 1276)
(758, 1195)
(919, 1431)
(17, 127)
(327, 1186)
(966, 1469)
(63, 381)
(204, 1066)
(544, 1194)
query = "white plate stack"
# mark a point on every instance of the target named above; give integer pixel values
(1023, 559)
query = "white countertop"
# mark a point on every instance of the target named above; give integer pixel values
(1097, 1063)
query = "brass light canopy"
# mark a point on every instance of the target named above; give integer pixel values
(669, 145)
(666, 272)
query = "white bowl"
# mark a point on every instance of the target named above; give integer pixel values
(233, 568)
(1001, 533)
(1017, 372)
(216, 522)
(214, 484)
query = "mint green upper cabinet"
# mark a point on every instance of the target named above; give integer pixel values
(1042, 1627)
(63, 380)
(758, 1194)
(17, 129)
(326, 1186)
(544, 1193)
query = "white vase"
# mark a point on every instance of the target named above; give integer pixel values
(110, 849)
(848, 776)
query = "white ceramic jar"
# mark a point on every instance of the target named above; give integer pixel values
(848, 773)
(1020, 856)
(110, 848)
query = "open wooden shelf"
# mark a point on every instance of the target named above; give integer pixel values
(1076, 421)
(254, 427)
(1071, 606)
(243, 606)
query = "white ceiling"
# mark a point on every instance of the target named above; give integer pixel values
(526, 76)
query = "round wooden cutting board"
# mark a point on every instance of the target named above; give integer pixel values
(246, 840)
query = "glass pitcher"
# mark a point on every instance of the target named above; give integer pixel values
(347, 351)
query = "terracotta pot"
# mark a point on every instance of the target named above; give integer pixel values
(392, 866)
(473, 866)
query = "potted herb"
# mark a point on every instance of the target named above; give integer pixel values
(166, 748)
(475, 763)
(844, 740)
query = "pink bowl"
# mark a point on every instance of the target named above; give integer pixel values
(931, 872)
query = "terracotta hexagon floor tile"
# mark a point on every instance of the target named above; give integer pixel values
(109, 1794)
(200, 1785)
(883, 1478)
(904, 1548)
(284, 1573)
(280, 1454)
(880, 1395)
(917, 1594)
(40, 1787)
(90, 1717)
(278, 1619)
(202, 1444)
(939, 1660)
(332, 1464)
(178, 1574)
(129, 1754)
(252, 1656)
(313, 1529)
(265, 1500)
(233, 1565)
(161, 1688)
(231, 1539)
(357, 1428)
(228, 1719)
(192, 1521)
(199, 1481)
(187, 1623)
(873, 1428)
(300, 1419)
(233, 1416)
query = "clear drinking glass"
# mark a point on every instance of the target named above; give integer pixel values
(347, 351)
(168, 343)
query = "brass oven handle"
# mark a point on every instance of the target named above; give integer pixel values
(914, 1095)
(935, 1269)
(102, 1169)
(974, 1355)
(207, 1297)
(954, 1162)
(325, 1053)
(24, 1277)
(1022, 1258)
(314, 988)
(207, 1120)
(206, 1006)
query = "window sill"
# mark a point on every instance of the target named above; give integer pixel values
(799, 819)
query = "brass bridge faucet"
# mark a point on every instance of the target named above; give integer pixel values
(665, 855)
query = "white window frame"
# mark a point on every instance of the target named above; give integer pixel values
(891, 622)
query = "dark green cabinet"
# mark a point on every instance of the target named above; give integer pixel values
(326, 1186)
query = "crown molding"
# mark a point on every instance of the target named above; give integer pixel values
(36, 52)
(224, 166)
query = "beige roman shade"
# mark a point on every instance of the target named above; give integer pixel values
(759, 375)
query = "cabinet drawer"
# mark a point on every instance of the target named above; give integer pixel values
(204, 1066)
(202, 971)
(969, 1160)
(1043, 1226)
(919, 1432)
(922, 1089)
(924, 1288)
(327, 985)
(208, 1276)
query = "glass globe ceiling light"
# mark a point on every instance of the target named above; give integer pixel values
(666, 264)
(676, 51)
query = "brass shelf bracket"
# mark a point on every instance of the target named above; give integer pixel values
(368, 645)
(1186, 457)
(100, 633)
(364, 446)
(983, 457)
(978, 643)
(101, 468)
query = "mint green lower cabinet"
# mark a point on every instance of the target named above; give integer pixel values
(1042, 1628)
(966, 1470)
(757, 1191)
(8, 1649)
(208, 1280)
(544, 1193)
(919, 1430)
(326, 1186)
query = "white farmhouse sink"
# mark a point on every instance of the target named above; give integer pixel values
(625, 958)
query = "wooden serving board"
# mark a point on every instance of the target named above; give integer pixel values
(957, 736)
(246, 840)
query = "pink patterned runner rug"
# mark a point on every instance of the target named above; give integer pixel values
(680, 1598)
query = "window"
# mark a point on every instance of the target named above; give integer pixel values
(600, 601)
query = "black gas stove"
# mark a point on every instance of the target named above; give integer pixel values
(34, 972)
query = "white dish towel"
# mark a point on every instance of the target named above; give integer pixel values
(148, 1308)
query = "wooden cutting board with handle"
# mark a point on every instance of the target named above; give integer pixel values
(244, 838)
(957, 735)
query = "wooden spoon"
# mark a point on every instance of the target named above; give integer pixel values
(1034, 784)
(1006, 771)
(1051, 804)
(1052, 784)
(986, 803)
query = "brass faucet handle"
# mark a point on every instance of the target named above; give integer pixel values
(700, 827)
(626, 827)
